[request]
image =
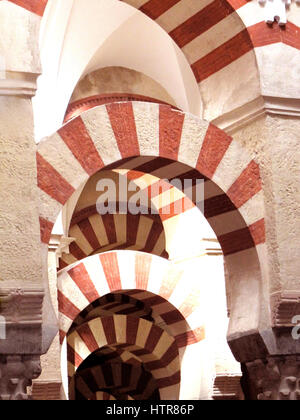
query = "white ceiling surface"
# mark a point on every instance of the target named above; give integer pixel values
(76, 40)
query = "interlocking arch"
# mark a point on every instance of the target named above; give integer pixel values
(145, 337)
(124, 381)
(83, 286)
(96, 233)
(109, 133)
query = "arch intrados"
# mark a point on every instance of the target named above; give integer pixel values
(84, 338)
(114, 387)
(111, 298)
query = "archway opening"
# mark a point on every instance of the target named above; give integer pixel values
(171, 138)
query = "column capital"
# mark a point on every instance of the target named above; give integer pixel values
(59, 244)
(16, 374)
(275, 378)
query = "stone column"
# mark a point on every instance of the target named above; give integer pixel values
(49, 385)
(22, 275)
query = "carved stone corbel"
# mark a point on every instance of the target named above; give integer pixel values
(275, 378)
(59, 244)
(16, 374)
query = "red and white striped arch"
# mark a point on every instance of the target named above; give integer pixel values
(219, 39)
(110, 133)
(35, 6)
(173, 300)
(189, 22)
(119, 303)
(206, 30)
(117, 354)
(159, 348)
(95, 233)
(170, 202)
(119, 379)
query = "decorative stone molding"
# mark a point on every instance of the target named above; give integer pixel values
(16, 374)
(285, 306)
(275, 10)
(18, 84)
(60, 245)
(276, 378)
(21, 307)
(228, 387)
(77, 107)
(251, 111)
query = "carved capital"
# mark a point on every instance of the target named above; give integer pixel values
(16, 374)
(285, 306)
(59, 244)
(275, 378)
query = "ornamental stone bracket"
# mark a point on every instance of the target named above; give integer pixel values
(275, 378)
(253, 110)
(59, 244)
(275, 10)
(16, 374)
(285, 307)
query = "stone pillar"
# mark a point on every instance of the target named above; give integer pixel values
(275, 378)
(49, 385)
(22, 274)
